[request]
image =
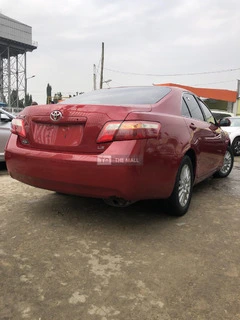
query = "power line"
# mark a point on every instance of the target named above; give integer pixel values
(171, 75)
(121, 84)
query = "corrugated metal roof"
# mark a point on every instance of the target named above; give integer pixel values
(218, 94)
(13, 20)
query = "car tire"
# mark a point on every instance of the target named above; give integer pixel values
(180, 199)
(236, 146)
(227, 164)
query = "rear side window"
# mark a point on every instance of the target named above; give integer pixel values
(208, 115)
(185, 111)
(193, 106)
(121, 96)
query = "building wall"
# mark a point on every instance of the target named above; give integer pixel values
(14, 30)
(217, 104)
(238, 107)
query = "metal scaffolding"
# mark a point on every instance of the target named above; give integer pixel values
(13, 74)
(15, 42)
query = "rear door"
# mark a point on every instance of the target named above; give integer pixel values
(206, 137)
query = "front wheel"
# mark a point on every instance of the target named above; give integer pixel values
(180, 199)
(236, 146)
(227, 164)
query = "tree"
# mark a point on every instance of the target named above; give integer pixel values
(13, 98)
(15, 102)
(21, 103)
(57, 97)
(29, 100)
(49, 93)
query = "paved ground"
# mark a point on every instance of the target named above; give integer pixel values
(64, 257)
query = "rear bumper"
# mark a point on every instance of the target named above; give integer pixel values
(87, 175)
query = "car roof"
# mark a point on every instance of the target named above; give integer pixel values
(10, 115)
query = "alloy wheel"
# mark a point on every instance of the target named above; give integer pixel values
(227, 163)
(184, 188)
(236, 147)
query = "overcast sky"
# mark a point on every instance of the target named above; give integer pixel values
(154, 37)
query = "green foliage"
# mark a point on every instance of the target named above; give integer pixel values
(15, 101)
(49, 93)
(13, 98)
(20, 103)
(28, 100)
(57, 97)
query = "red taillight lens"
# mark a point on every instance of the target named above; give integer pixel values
(129, 130)
(108, 131)
(134, 130)
(18, 127)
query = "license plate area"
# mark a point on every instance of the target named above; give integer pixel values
(61, 135)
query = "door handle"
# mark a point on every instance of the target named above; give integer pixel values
(192, 126)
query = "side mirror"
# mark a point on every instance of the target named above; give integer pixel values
(224, 123)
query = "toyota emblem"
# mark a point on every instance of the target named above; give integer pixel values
(55, 115)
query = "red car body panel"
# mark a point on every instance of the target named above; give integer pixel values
(67, 134)
(67, 158)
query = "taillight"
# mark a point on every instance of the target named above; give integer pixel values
(18, 127)
(129, 130)
(108, 131)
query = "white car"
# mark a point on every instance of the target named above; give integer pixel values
(220, 114)
(5, 130)
(232, 126)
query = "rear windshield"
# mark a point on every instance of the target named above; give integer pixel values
(121, 96)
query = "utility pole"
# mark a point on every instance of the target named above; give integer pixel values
(94, 78)
(238, 89)
(102, 62)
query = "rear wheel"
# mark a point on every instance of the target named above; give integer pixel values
(179, 201)
(227, 164)
(236, 146)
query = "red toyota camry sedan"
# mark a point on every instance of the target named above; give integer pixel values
(120, 144)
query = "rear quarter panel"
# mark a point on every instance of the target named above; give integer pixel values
(162, 156)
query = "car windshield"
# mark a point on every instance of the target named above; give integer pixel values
(121, 96)
(220, 115)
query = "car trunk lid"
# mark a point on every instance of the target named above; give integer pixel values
(72, 128)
